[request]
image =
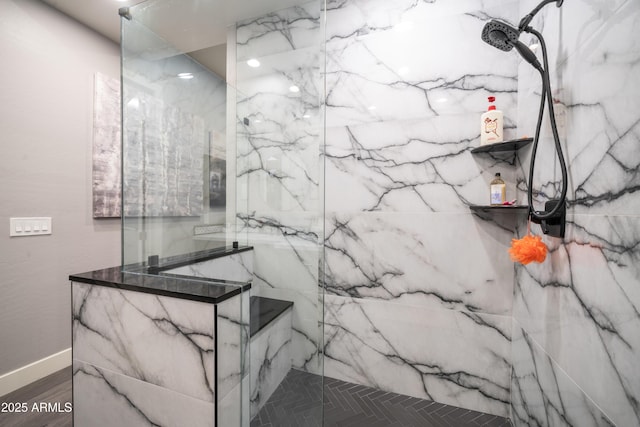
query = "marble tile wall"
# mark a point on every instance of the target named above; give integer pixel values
(236, 267)
(141, 359)
(234, 409)
(542, 394)
(399, 178)
(232, 329)
(419, 290)
(279, 171)
(577, 360)
(158, 359)
(270, 359)
(109, 398)
(452, 356)
(129, 333)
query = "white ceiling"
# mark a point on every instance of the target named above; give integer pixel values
(188, 24)
(100, 15)
(196, 26)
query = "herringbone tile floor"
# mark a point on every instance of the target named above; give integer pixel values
(298, 403)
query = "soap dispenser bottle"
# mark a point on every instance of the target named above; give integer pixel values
(498, 190)
(491, 125)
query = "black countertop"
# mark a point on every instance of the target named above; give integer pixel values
(158, 283)
(149, 278)
(264, 310)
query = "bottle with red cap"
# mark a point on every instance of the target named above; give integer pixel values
(491, 125)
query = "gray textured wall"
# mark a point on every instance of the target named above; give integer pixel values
(46, 110)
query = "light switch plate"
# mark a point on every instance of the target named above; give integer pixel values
(29, 226)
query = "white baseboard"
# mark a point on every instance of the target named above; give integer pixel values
(34, 371)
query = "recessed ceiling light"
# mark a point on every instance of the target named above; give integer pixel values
(253, 63)
(371, 107)
(185, 76)
(404, 26)
(403, 71)
(134, 103)
(306, 116)
(294, 89)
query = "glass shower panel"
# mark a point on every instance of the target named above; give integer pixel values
(179, 207)
(280, 140)
(223, 135)
(176, 198)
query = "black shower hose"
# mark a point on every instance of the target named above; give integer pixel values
(546, 95)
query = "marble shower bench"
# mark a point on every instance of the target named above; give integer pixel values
(271, 329)
(166, 344)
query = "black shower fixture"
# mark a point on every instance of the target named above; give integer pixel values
(524, 22)
(506, 37)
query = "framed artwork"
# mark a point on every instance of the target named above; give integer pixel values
(106, 148)
(163, 164)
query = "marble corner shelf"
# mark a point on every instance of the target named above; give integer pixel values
(500, 208)
(513, 145)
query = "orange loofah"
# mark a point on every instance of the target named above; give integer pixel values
(529, 248)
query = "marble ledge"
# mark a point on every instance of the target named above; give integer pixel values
(170, 285)
(264, 311)
(172, 262)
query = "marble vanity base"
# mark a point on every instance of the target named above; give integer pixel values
(108, 399)
(162, 349)
(141, 358)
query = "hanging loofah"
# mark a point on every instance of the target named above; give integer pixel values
(528, 249)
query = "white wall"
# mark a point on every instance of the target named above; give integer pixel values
(46, 110)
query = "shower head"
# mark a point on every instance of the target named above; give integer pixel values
(500, 35)
(505, 37)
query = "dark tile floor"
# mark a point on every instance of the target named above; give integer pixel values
(297, 403)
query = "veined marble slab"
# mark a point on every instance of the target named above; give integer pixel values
(597, 89)
(413, 165)
(103, 398)
(370, 79)
(234, 408)
(164, 341)
(306, 326)
(286, 267)
(233, 342)
(270, 359)
(456, 261)
(237, 267)
(284, 30)
(543, 395)
(582, 306)
(280, 136)
(449, 356)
